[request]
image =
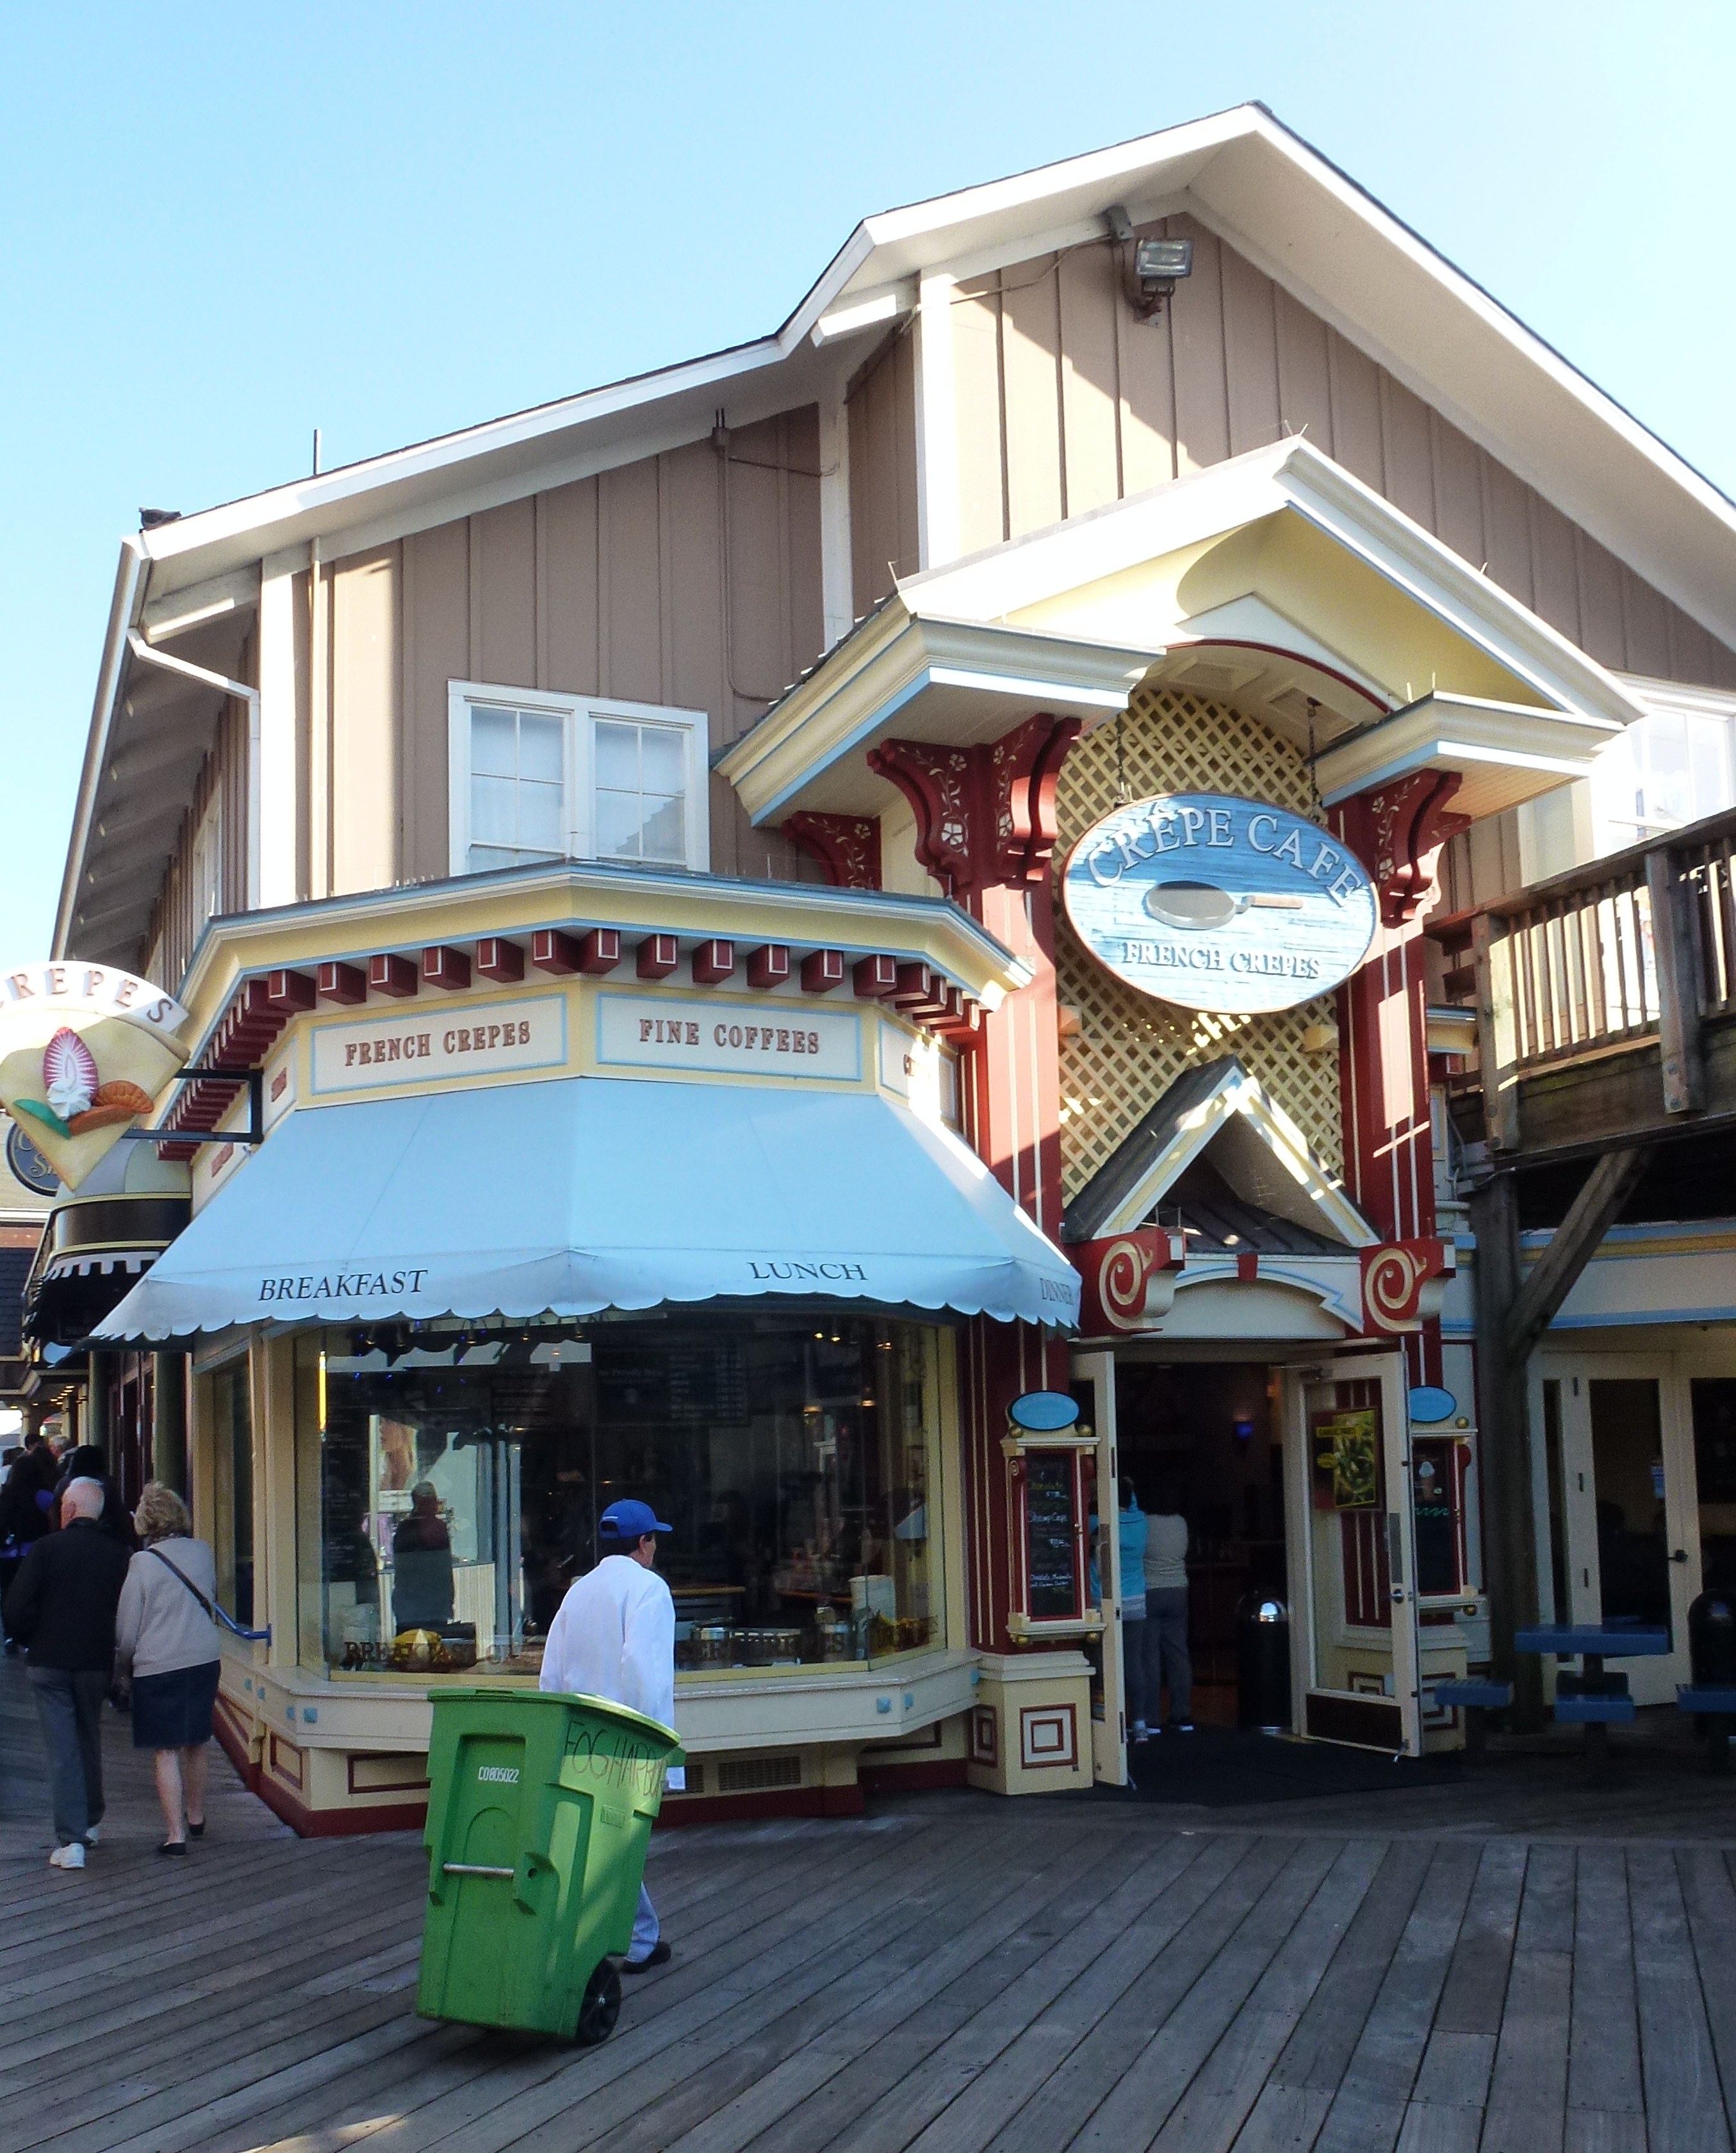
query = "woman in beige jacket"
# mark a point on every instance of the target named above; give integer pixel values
(166, 1640)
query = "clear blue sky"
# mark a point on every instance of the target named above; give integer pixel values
(222, 226)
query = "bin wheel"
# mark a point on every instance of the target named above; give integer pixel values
(601, 2006)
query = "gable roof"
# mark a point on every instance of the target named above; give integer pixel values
(1290, 211)
(1260, 1153)
(1316, 588)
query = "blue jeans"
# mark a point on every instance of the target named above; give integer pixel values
(70, 1706)
(646, 1930)
(1166, 1650)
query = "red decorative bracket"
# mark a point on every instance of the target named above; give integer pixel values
(846, 845)
(984, 815)
(1399, 831)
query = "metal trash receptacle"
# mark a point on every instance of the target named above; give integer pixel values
(540, 1810)
(1262, 1641)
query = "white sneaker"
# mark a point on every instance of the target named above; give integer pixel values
(94, 1834)
(71, 1856)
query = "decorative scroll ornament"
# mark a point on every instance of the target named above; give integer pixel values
(84, 1052)
(1129, 1280)
(984, 815)
(1403, 1282)
(846, 845)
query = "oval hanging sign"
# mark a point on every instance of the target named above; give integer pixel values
(1219, 903)
(1043, 1412)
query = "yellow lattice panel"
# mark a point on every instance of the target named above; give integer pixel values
(1130, 1048)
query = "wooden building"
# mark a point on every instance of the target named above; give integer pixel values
(664, 818)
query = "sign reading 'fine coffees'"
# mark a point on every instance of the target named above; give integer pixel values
(772, 1039)
(1219, 903)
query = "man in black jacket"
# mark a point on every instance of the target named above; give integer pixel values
(62, 1605)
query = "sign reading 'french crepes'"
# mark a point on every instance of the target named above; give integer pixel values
(492, 1039)
(1219, 903)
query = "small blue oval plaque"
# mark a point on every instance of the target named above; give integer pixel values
(1043, 1412)
(1220, 904)
(1429, 1404)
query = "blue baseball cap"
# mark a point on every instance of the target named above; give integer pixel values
(631, 1521)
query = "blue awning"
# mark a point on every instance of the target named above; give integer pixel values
(584, 1193)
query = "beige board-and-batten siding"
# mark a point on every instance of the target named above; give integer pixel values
(1130, 1048)
(1066, 401)
(633, 584)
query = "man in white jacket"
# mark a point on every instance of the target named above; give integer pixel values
(614, 1636)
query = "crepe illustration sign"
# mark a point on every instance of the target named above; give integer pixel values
(1218, 904)
(85, 1050)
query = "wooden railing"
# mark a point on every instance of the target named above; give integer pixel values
(1637, 946)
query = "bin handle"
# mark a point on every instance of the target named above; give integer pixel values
(474, 1869)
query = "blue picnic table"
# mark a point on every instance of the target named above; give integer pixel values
(1595, 1699)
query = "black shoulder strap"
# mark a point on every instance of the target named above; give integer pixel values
(186, 1580)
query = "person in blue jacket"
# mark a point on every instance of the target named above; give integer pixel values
(1130, 1524)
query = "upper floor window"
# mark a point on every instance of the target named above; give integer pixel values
(536, 777)
(206, 864)
(1671, 768)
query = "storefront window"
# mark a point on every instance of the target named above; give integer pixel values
(232, 1464)
(451, 1479)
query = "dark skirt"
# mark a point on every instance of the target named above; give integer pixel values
(173, 1711)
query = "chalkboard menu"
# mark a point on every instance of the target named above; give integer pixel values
(1050, 1516)
(704, 1382)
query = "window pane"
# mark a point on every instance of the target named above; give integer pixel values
(482, 857)
(539, 818)
(539, 747)
(664, 766)
(492, 805)
(663, 837)
(493, 736)
(617, 756)
(618, 821)
(451, 1495)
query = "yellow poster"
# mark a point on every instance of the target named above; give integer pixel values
(1347, 1446)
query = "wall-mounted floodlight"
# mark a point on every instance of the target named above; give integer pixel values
(1158, 267)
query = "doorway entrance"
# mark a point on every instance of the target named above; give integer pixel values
(1200, 1439)
(1353, 1478)
(1640, 1465)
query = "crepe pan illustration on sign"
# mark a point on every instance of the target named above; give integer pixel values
(1202, 904)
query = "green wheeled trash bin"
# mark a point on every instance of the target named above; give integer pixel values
(540, 1807)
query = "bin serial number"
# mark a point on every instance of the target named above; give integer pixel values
(507, 1775)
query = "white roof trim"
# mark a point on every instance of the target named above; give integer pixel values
(1291, 474)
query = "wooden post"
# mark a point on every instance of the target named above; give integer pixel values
(1504, 1448)
(1676, 953)
(1495, 1020)
(1515, 1307)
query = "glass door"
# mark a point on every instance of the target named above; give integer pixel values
(1626, 1506)
(1093, 1383)
(1353, 1573)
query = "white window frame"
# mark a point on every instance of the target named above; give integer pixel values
(206, 862)
(580, 714)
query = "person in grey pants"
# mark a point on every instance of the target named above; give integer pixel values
(62, 1605)
(1167, 1657)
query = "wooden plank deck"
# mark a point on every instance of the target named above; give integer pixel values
(1518, 1963)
